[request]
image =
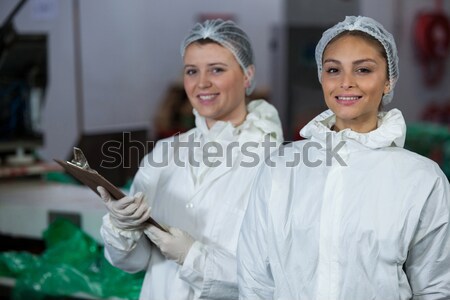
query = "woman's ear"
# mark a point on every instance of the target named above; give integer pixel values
(249, 76)
(387, 87)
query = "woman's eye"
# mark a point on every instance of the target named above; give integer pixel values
(217, 70)
(190, 71)
(331, 70)
(363, 70)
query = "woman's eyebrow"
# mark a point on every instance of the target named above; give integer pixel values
(217, 64)
(329, 60)
(356, 62)
(365, 60)
(209, 65)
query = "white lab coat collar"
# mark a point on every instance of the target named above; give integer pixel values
(262, 117)
(391, 130)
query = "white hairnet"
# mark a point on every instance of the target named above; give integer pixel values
(376, 30)
(230, 36)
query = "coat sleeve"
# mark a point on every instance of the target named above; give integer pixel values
(428, 262)
(125, 249)
(131, 250)
(211, 272)
(254, 273)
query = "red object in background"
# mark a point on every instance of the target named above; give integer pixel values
(435, 112)
(432, 40)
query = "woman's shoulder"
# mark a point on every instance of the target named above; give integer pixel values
(262, 120)
(163, 149)
(412, 162)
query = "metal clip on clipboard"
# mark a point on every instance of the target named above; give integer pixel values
(79, 159)
(79, 168)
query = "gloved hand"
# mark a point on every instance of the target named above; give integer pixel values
(128, 213)
(174, 245)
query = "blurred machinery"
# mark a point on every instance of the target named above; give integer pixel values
(23, 81)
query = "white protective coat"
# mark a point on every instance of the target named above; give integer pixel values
(377, 228)
(207, 202)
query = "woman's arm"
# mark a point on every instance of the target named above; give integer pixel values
(254, 272)
(127, 250)
(130, 250)
(428, 262)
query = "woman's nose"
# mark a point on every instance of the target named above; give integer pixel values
(347, 82)
(204, 81)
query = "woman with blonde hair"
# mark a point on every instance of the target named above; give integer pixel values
(197, 183)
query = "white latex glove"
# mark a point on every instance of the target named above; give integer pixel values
(128, 213)
(174, 245)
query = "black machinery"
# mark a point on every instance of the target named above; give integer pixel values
(23, 82)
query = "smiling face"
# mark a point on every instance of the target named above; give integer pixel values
(215, 83)
(354, 79)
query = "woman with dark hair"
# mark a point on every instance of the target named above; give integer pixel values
(359, 217)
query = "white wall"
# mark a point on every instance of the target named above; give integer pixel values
(129, 55)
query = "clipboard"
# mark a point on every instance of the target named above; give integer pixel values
(79, 168)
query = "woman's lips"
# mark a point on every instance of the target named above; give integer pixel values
(207, 98)
(347, 100)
